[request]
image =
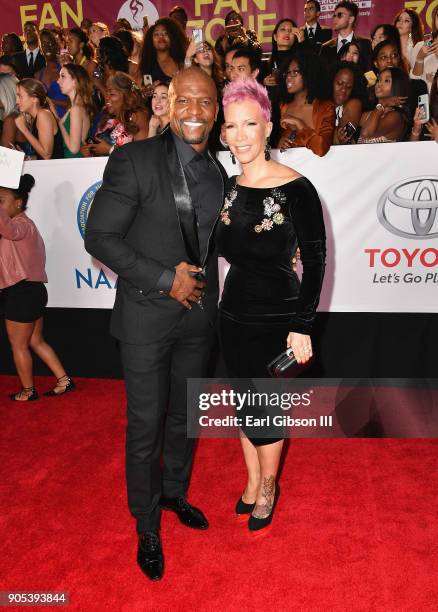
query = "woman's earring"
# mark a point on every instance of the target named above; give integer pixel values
(267, 151)
(233, 159)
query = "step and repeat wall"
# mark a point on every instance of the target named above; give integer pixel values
(259, 15)
(380, 206)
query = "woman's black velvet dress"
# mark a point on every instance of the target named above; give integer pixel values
(263, 300)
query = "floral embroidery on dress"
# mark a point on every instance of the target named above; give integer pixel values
(271, 207)
(228, 202)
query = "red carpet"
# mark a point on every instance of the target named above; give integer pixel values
(355, 528)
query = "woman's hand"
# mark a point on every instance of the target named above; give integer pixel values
(298, 33)
(270, 80)
(416, 124)
(295, 259)
(21, 123)
(85, 150)
(285, 143)
(301, 346)
(432, 128)
(192, 49)
(294, 123)
(343, 136)
(394, 101)
(426, 50)
(101, 148)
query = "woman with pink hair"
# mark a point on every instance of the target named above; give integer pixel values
(270, 210)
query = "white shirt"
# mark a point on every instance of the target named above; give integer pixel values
(311, 27)
(348, 38)
(430, 65)
(30, 52)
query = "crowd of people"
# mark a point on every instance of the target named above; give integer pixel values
(84, 91)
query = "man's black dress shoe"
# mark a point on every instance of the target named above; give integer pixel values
(187, 514)
(150, 555)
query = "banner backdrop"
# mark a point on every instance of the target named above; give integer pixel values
(380, 206)
(259, 15)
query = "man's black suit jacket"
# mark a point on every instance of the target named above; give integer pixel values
(329, 51)
(321, 36)
(133, 228)
(20, 60)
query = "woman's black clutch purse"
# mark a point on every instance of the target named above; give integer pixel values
(281, 363)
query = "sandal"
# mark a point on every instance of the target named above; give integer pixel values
(30, 393)
(68, 386)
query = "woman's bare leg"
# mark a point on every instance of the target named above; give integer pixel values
(19, 335)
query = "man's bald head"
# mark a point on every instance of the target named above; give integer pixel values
(191, 75)
(193, 106)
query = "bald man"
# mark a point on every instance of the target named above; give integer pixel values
(152, 222)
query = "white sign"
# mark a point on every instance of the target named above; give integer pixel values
(11, 165)
(380, 208)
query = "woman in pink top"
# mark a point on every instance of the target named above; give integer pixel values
(22, 291)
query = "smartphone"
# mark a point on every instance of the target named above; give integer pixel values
(145, 21)
(350, 129)
(198, 36)
(428, 39)
(423, 105)
(147, 80)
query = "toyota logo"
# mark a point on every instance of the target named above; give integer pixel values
(409, 208)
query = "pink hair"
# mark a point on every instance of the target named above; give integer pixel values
(248, 89)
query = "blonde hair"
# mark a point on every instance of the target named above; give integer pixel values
(8, 94)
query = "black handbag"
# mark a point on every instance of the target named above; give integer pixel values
(281, 363)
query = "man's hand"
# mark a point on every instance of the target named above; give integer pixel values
(186, 288)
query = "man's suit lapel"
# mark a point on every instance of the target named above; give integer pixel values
(183, 201)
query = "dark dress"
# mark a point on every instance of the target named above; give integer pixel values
(58, 143)
(263, 300)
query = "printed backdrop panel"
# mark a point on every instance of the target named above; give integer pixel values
(259, 15)
(380, 207)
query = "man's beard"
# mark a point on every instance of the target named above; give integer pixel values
(193, 139)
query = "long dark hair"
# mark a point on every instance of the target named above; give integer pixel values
(112, 55)
(87, 49)
(313, 72)
(345, 49)
(178, 45)
(417, 26)
(84, 90)
(18, 45)
(132, 99)
(274, 52)
(390, 32)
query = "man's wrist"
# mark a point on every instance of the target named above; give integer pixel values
(165, 282)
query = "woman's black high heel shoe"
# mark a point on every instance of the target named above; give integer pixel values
(70, 386)
(31, 392)
(244, 508)
(254, 523)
